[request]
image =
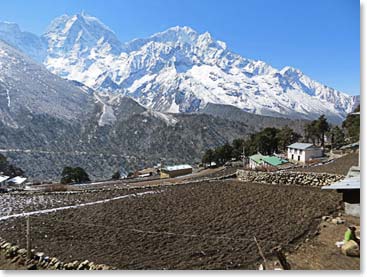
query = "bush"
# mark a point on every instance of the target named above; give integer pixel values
(116, 176)
(74, 174)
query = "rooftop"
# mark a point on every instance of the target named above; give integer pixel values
(347, 183)
(17, 180)
(272, 160)
(300, 145)
(257, 158)
(178, 167)
(3, 178)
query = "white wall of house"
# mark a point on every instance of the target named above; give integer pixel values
(253, 164)
(303, 156)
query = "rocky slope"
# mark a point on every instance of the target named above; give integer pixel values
(48, 123)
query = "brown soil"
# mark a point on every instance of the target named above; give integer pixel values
(320, 253)
(338, 166)
(210, 225)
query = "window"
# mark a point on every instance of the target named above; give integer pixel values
(299, 158)
(292, 157)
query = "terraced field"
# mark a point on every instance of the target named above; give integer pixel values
(207, 225)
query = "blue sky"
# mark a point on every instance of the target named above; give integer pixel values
(320, 37)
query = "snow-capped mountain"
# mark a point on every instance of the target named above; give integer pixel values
(28, 89)
(27, 42)
(181, 70)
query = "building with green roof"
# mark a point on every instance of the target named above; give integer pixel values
(267, 161)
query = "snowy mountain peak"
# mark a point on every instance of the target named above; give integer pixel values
(81, 31)
(180, 70)
(23, 41)
(8, 27)
(291, 71)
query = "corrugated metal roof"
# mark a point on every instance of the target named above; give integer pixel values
(3, 178)
(258, 158)
(177, 167)
(275, 161)
(347, 183)
(18, 180)
(352, 145)
(299, 145)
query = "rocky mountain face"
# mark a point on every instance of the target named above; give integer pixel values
(48, 123)
(181, 71)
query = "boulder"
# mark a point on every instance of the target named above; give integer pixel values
(32, 267)
(22, 252)
(351, 248)
(337, 220)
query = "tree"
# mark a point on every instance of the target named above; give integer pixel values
(237, 148)
(352, 126)
(316, 130)
(74, 174)
(337, 137)
(287, 136)
(267, 141)
(311, 133)
(116, 175)
(208, 157)
(322, 126)
(8, 169)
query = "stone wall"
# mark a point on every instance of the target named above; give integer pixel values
(39, 260)
(288, 178)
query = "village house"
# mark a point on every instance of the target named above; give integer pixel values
(259, 160)
(146, 172)
(3, 180)
(16, 181)
(303, 152)
(175, 171)
(350, 187)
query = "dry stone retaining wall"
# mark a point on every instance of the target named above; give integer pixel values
(289, 178)
(39, 260)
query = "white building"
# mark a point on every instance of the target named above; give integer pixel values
(303, 152)
(3, 180)
(18, 180)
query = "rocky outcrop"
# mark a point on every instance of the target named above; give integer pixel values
(38, 260)
(289, 178)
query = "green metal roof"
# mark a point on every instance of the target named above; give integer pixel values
(257, 158)
(274, 161)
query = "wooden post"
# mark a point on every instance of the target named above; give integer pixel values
(28, 238)
(282, 259)
(260, 252)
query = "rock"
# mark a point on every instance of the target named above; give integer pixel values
(83, 265)
(32, 267)
(75, 264)
(326, 217)
(57, 265)
(22, 252)
(337, 220)
(351, 249)
(39, 255)
(5, 245)
(11, 251)
(15, 259)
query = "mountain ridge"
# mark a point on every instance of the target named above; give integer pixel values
(180, 71)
